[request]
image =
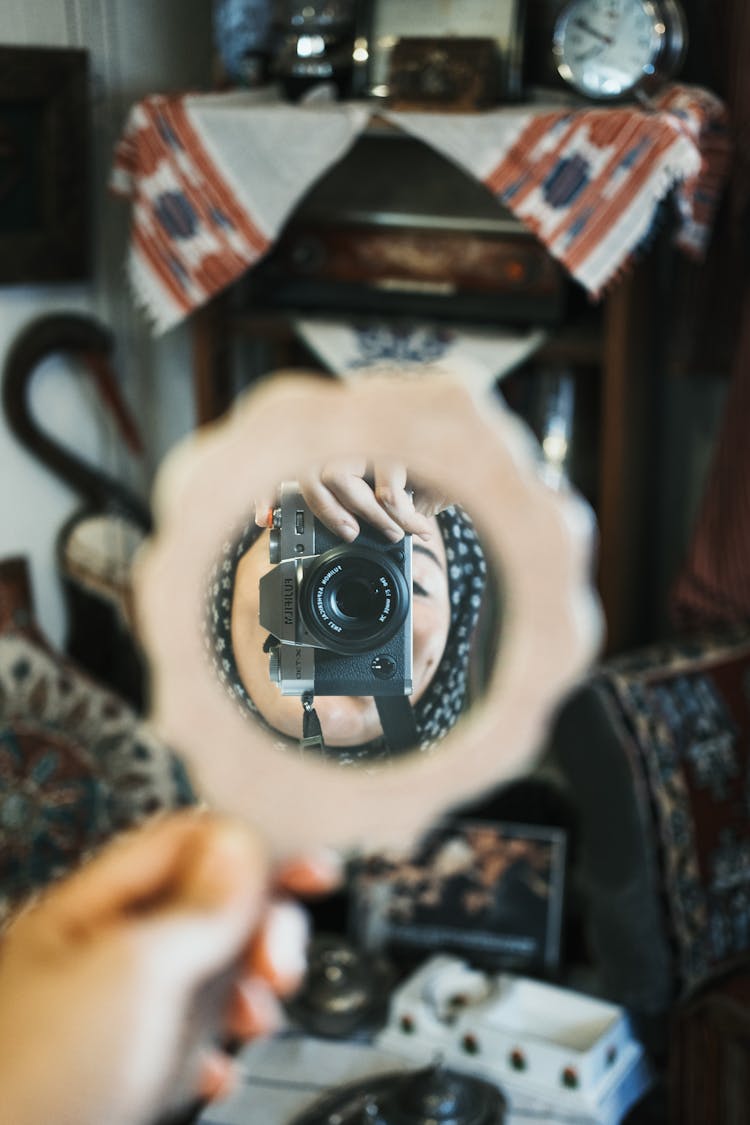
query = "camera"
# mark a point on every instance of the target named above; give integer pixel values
(341, 612)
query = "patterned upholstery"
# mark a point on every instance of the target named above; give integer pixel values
(655, 753)
(76, 764)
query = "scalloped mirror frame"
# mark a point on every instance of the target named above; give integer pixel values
(466, 446)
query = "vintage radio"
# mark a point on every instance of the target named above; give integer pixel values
(396, 229)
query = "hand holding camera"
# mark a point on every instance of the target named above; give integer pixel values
(343, 491)
(339, 613)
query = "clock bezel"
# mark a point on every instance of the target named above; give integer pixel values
(669, 46)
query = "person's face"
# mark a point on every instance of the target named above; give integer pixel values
(344, 720)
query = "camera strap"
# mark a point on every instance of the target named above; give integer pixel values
(396, 718)
(398, 722)
(312, 735)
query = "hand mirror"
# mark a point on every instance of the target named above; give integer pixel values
(456, 445)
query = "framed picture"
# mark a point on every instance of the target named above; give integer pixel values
(384, 23)
(44, 165)
(490, 892)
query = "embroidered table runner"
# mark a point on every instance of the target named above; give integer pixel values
(212, 179)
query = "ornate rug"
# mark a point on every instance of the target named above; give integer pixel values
(76, 763)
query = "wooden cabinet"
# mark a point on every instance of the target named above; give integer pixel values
(710, 1058)
(616, 342)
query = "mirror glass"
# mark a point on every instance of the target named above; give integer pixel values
(344, 616)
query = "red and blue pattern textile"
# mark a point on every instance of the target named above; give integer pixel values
(213, 177)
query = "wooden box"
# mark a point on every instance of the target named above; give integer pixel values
(458, 74)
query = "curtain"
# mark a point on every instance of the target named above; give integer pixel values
(714, 585)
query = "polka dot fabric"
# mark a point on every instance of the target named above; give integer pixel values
(440, 707)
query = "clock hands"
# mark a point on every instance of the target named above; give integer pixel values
(590, 54)
(586, 26)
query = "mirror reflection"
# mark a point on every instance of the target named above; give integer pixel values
(343, 616)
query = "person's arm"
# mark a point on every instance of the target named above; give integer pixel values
(99, 978)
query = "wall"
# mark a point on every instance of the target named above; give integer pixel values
(136, 47)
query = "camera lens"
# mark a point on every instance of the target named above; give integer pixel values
(359, 599)
(354, 598)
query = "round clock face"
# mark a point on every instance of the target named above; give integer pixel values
(607, 48)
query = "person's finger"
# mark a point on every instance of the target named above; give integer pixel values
(224, 863)
(325, 506)
(217, 1076)
(278, 952)
(264, 511)
(391, 492)
(254, 1009)
(203, 931)
(317, 873)
(187, 862)
(356, 495)
(129, 872)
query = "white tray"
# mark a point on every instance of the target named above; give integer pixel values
(556, 1045)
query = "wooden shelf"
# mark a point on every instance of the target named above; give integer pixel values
(573, 346)
(614, 343)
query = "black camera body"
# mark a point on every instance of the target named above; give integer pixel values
(341, 612)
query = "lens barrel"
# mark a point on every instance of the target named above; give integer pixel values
(354, 599)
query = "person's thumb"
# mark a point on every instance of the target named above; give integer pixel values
(206, 912)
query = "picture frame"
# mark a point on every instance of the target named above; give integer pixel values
(489, 891)
(44, 165)
(384, 23)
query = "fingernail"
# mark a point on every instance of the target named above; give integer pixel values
(311, 874)
(262, 1007)
(395, 534)
(348, 531)
(285, 935)
(223, 857)
(218, 1077)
